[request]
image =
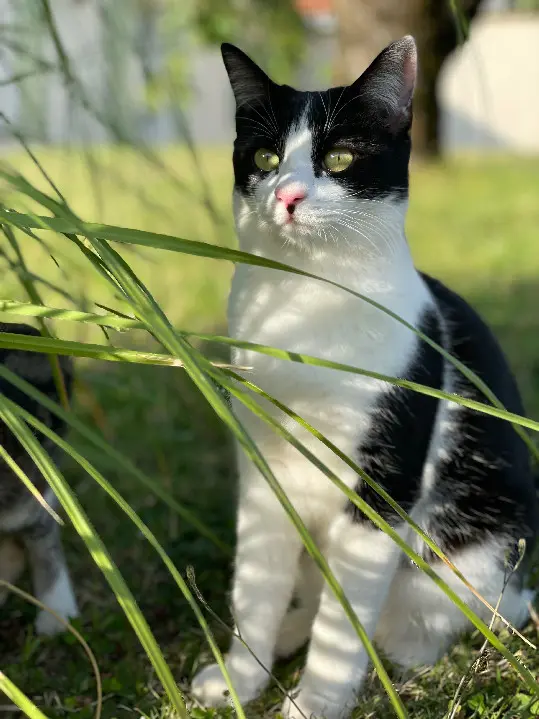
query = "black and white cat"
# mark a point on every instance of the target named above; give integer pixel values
(321, 183)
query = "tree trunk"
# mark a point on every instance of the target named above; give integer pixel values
(367, 26)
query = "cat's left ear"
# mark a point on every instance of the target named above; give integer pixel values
(388, 83)
(250, 84)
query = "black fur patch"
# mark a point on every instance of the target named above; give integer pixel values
(483, 483)
(395, 449)
(485, 487)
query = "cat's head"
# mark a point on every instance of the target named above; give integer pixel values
(321, 168)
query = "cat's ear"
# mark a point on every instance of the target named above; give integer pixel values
(249, 83)
(388, 83)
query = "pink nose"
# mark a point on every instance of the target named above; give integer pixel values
(290, 196)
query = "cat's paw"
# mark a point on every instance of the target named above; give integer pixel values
(47, 625)
(210, 689)
(61, 600)
(307, 705)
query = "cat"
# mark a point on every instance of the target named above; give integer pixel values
(321, 183)
(27, 530)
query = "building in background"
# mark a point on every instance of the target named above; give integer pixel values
(488, 92)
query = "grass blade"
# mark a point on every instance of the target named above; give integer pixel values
(143, 528)
(30, 288)
(116, 354)
(97, 550)
(373, 515)
(65, 225)
(117, 457)
(19, 698)
(50, 345)
(40, 499)
(146, 309)
(78, 636)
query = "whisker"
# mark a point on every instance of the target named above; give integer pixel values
(333, 115)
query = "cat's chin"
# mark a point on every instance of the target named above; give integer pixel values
(300, 236)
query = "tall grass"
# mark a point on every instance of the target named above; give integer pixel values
(46, 217)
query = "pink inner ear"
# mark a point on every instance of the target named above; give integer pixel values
(409, 74)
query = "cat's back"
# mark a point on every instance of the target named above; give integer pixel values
(485, 485)
(471, 340)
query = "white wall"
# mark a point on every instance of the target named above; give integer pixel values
(489, 89)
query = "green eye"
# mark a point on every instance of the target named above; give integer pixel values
(266, 159)
(338, 160)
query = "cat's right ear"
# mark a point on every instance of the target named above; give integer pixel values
(249, 83)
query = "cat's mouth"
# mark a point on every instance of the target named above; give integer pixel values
(291, 224)
(294, 223)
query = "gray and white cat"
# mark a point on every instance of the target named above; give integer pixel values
(27, 530)
(321, 183)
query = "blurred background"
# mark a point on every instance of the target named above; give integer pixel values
(126, 105)
(150, 70)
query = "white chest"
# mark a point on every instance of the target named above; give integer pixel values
(308, 317)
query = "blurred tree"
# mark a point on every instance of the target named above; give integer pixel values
(270, 29)
(366, 27)
(118, 21)
(170, 31)
(32, 90)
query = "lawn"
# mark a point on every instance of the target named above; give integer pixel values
(473, 223)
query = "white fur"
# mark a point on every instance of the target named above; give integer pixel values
(61, 599)
(360, 244)
(419, 621)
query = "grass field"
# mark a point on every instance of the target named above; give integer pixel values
(475, 224)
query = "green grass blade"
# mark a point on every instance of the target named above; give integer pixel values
(143, 528)
(346, 459)
(19, 699)
(117, 457)
(110, 353)
(145, 307)
(25, 479)
(27, 309)
(304, 359)
(32, 292)
(158, 241)
(257, 410)
(97, 550)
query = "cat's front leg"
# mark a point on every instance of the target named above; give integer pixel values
(50, 575)
(364, 561)
(267, 555)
